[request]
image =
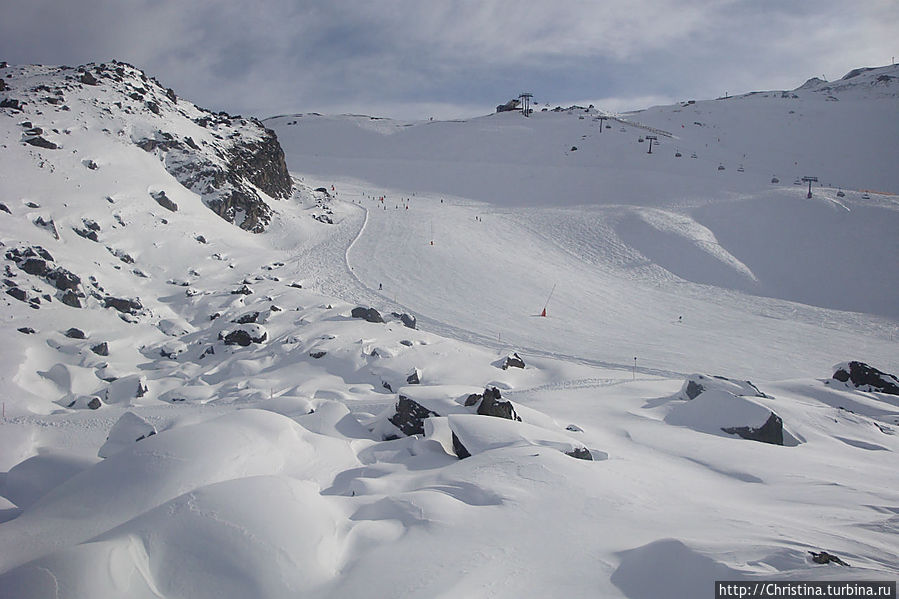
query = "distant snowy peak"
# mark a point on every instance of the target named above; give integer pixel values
(874, 81)
(235, 164)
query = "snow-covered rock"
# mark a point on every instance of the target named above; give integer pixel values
(473, 435)
(866, 378)
(695, 384)
(720, 412)
(128, 429)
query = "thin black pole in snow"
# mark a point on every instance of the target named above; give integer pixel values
(543, 313)
(635, 368)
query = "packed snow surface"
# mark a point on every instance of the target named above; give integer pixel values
(224, 413)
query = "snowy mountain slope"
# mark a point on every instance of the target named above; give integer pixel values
(301, 449)
(632, 241)
(101, 114)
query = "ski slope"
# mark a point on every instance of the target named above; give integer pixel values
(660, 257)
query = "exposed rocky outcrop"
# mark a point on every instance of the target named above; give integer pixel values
(124, 305)
(770, 432)
(163, 200)
(40, 142)
(492, 404)
(513, 360)
(368, 314)
(35, 260)
(245, 335)
(866, 378)
(823, 557)
(234, 163)
(74, 333)
(410, 416)
(407, 319)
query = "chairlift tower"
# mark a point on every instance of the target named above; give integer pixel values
(809, 181)
(651, 138)
(525, 98)
(602, 119)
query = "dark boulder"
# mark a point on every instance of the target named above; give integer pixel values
(26, 330)
(823, 557)
(244, 338)
(41, 142)
(63, 279)
(74, 333)
(170, 94)
(123, 304)
(49, 225)
(11, 103)
(88, 78)
(771, 432)
(414, 378)
(70, 298)
(513, 361)
(4, 208)
(87, 234)
(17, 293)
(164, 201)
(581, 453)
(249, 317)
(410, 416)
(368, 314)
(867, 378)
(493, 405)
(318, 354)
(407, 319)
(101, 349)
(17, 255)
(243, 290)
(459, 449)
(35, 266)
(694, 389)
(94, 403)
(473, 399)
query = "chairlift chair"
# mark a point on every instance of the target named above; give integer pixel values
(774, 179)
(720, 167)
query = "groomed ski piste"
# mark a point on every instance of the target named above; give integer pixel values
(298, 449)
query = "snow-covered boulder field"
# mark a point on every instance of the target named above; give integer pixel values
(419, 365)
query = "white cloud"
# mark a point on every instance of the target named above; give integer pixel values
(394, 55)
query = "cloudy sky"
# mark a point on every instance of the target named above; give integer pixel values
(454, 58)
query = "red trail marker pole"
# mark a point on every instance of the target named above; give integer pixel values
(543, 312)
